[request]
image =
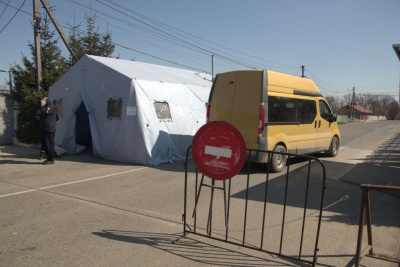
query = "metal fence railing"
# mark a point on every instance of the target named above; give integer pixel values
(365, 217)
(279, 214)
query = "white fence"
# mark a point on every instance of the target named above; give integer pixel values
(376, 118)
(341, 119)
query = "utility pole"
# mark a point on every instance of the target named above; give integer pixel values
(396, 48)
(212, 67)
(10, 78)
(302, 72)
(36, 31)
(349, 98)
(57, 26)
(352, 103)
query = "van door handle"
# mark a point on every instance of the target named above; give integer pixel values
(319, 125)
(315, 124)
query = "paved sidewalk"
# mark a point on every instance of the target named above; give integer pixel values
(380, 168)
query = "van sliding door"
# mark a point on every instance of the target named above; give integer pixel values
(291, 120)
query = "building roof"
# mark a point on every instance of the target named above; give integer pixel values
(362, 109)
(357, 107)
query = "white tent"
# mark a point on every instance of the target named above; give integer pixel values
(129, 111)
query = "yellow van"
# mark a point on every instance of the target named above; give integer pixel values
(274, 111)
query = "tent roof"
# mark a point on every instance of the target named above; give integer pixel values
(151, 72)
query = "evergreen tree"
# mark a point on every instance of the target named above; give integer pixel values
(54, 65)
(90, 42)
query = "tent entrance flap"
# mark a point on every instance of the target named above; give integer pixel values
(83, 134)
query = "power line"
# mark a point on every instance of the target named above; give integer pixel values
(178, 31)
(16, 8)
(5, 8)
(159, 58)
(321, 83)
(180, 39)
(13, 16)
(167, 36)
(173, 36)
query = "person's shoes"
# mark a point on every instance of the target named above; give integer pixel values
(47, 162)
(41, 155)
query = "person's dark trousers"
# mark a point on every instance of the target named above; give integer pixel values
(43, 151)
(49, 141)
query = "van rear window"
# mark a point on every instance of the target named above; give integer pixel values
(282, 109)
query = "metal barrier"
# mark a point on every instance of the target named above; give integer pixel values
(365, 214)
(279, 214)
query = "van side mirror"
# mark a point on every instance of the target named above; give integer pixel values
(333, 117)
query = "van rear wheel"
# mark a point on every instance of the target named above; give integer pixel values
(334, 147)
(278, 161)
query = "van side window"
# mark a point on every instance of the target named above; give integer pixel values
(281, 109)
(324, 110)
(306, 111)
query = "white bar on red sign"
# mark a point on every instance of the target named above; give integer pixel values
(218, 151)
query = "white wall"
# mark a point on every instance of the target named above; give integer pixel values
(6, 120)
(376, 118)
(341, 118)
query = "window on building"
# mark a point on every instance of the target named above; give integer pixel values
(162, 111)
(114, 108)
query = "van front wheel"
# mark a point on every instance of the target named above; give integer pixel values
(334, 148)
(278, 161)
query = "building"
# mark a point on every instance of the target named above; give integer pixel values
(356, 112)
(6, 118)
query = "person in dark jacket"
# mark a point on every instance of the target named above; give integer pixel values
(48, 118)
(41, 137)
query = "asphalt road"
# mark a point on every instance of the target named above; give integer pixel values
(85, 211)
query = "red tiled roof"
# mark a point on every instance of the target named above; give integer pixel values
(362, 109)
(347, 109)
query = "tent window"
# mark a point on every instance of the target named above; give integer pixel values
(114, 108)
(162, 111)
(59, 106)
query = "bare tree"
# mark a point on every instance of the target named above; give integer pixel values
(334, 102)
(393, 111)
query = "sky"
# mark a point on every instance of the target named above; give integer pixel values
(341, 44)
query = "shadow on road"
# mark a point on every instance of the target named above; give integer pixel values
(381, 168)
(192, 249)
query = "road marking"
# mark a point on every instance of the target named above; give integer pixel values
(75, 182)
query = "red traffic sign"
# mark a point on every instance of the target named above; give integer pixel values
(218, 150)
